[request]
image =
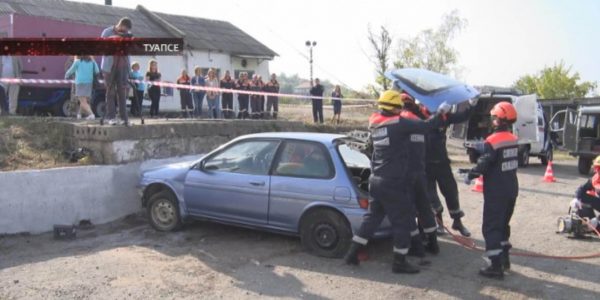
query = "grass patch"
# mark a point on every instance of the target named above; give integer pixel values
(32, 143)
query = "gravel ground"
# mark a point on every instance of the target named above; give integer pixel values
(129, 260)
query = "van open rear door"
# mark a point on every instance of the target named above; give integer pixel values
(526, 126)
(564, 124)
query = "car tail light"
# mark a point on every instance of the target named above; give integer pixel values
(363, 203)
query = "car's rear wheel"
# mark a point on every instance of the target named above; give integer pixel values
(326, 233)
(163, 211)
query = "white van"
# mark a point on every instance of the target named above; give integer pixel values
(531, 127)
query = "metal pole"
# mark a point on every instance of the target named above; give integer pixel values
(311, 65)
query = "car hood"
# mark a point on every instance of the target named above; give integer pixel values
(170, 171)
(431, 88)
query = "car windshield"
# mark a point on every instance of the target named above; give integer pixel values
(425, 81)
(353, 158)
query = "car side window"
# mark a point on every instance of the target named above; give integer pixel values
(304, 159)
(246, 157)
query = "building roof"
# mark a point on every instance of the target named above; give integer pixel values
(198, 33)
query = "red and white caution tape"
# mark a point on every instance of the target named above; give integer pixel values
(182, 86)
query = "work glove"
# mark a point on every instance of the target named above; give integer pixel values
(444, 108)
(575, 204)
(473, 101)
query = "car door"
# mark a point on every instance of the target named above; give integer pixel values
(233, 184)
(302, 173)
(431, 88)
(526, 125)
(569, 132)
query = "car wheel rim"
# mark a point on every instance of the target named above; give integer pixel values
(325, 236)
(163, 213)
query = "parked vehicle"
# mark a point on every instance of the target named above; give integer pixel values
(580, 133)
(531, 127)
(307, 184)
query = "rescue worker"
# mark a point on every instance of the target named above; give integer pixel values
(438, 169)
(498, 165)
(391, 134)
(587, 197)
(417, 192)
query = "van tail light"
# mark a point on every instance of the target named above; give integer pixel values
(363, 203)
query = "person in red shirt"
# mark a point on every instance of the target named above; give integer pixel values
(187, 105)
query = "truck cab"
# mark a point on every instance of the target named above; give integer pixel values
(531, 127)
(579, 133)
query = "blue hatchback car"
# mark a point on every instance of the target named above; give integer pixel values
(312, 185)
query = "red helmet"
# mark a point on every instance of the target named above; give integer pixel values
(504, 111)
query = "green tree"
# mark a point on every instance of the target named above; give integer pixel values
(381, 44)
(555, 82)
(431, 49)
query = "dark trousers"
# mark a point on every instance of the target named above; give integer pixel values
(136, 103)
(227, 105)
(243, 105)
(3, 101)
(116, 93)
(154, 94)
(255, 104)
(497, 212)
(440, 174)
(421, 198)
(317, 109)
(388, 198)
(273, 103)
(198, 99)
(591, 203)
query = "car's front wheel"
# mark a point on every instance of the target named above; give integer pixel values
(326, 233)
(163, 211)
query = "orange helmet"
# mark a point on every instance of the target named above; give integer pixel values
(505, 112)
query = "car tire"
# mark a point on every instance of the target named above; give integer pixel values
(524, 157)
(163, 211)
(583, 165)
(99, 109)
(325, 233)
(64, 108)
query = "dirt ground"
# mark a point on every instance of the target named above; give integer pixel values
(129, 260)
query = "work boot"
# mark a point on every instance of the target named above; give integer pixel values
(432, 244)
(418, 250)
(495, 269)
(400, 265)
(351, 257)
(440, 224)
(506, 257)
(458, 225)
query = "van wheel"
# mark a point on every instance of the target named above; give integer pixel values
(325, 233)
(524, 158)
(163, 212)
(583, 165)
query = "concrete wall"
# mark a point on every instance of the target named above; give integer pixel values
(33, 201)
(117, 144)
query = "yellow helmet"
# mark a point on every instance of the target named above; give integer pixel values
(597, 161)
(389, 100)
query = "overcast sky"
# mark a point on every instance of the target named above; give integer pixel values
(503, 39)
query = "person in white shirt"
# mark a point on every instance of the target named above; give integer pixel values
(10, 67)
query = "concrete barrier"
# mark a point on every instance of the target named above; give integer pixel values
(34, 200)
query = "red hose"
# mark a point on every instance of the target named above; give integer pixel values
(470, 244)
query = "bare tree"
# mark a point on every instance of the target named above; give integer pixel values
(381, 44)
